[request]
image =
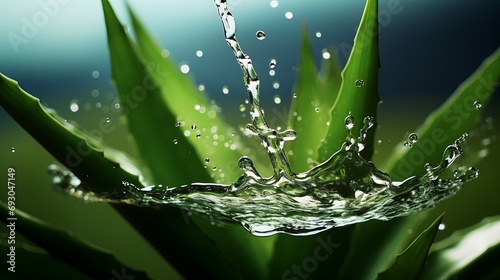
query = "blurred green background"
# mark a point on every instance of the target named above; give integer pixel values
(57, 50)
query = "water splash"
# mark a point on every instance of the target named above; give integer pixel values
(343, 190)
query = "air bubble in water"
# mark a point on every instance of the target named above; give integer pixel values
(260, 35)
(277, 99)
(359, 83)
(272, 63)
(73, 106)
(477, 105)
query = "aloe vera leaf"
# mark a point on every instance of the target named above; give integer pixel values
(99, 173)
(37, 260)
(483, 78)
(448, 122)
(358, 94)
(308, 113)
(470, 251)
(182, 99)
(171, 159)
(231, 239)
(93, 163)
(409, 263)
(82, 255)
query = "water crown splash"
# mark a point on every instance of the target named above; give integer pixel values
(343, 190)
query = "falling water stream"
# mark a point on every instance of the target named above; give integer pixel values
(345, 189)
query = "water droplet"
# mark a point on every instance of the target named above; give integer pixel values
(184, 68)
(177, 124)
(274, 4)
(349, 122)
(198, 135)
(73, 106)
(175, 141)
(471, 174)
(165, 53)
(477, 105)
(199, 53)
(95, 74)
(288, 15)
(318, 34)
(276, 85)
(201, 87)
(272, 72)
(326, 54)
(359, 83)
(94, 93)
(379, 142)
(316, 110)
(294, 95)
(214, 168)
(225, 89)
(207, 160)
(108, 120)
(13, 149)
(413, 138)
(193, 126)
(260, 35)
(441, 226)
(277, 99)
(242, 108)
(272, 63)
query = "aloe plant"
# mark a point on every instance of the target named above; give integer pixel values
(149, 88)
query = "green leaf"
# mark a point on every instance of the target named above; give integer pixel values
(309, 112)
(96, 165)
(469, 253)
(183, 99)
(358, 94)
(316, 256)
(171, 159)
(32, 260)
(448, 122)
(357, 264)
(84, 256)
(230, 239)
(409, 263)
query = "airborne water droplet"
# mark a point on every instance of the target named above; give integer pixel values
(73, 106)
(277, 99)
(193, 126)
(175, 141)
(349, 122)
(95, 74)
(242, 108)
(316, 110)
(260, 35)
(13, 149)
(288, 15)
(318, 34)
(272, 63)
(207, 160)
(477, 105)
(359, 83)
(199, 53)
(177, 124)
(108, 120)
(274, 4)
(225, 89)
